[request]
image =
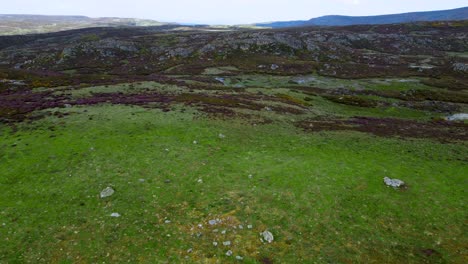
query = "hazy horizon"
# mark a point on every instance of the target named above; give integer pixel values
(223, 12)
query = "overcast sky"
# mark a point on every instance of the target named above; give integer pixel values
(222, 11)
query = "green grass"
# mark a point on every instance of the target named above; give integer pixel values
(320, 194)
(129, 88)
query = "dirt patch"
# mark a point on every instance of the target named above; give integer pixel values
(392, 127)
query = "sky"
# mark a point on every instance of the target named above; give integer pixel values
(223, 11)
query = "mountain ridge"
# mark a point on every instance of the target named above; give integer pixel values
(340, 20)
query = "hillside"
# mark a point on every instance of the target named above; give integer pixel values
(445, 15)
(205, 145)
(32, 24)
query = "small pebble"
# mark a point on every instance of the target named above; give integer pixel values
(249, 226)
(215, 244)
(167, 222)
(229, 253)
(239, 258)
(226, 243)
(189, 250)
(115, 215)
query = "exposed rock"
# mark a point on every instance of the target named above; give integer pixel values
(226, 243)
(274, 67)
(458, 117)
(460, 67)
(115, 215)
(229, 253)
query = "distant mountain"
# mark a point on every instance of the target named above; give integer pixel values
(444, 15)
(30, 24)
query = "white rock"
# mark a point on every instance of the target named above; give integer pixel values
(195, 142)
(226, 243)
(267, 236)
(395, 183)
(249, 226)
(221, 136)
(239, 258)
(115, 215)
(215, 244)
(229, 253)
(107, 192)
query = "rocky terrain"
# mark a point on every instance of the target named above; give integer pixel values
(172, 144)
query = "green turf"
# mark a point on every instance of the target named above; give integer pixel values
(320, 194)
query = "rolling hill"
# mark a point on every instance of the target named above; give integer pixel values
(33, 24)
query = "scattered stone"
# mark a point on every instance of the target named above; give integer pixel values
(189, 250)
(395, 183)
(214, 221)
(220, 79)
(200, 226)
(239, 258)
(141, 180)
(221, 136)
(115, 215)
(267, 236)
(215, 244)
(268, 108)
(226, 243)
(229, 253)
(274, 67)
(107, 192)
(167, 222)
(67, 105)
(241, 227)
(167, 150)
(200, 180)
(250, 176)
(249, 226)
(167, 181)
(195, 142)
(223, 232)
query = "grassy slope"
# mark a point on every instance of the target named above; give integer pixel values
(320, 194)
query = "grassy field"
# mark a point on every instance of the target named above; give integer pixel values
(321, 194)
